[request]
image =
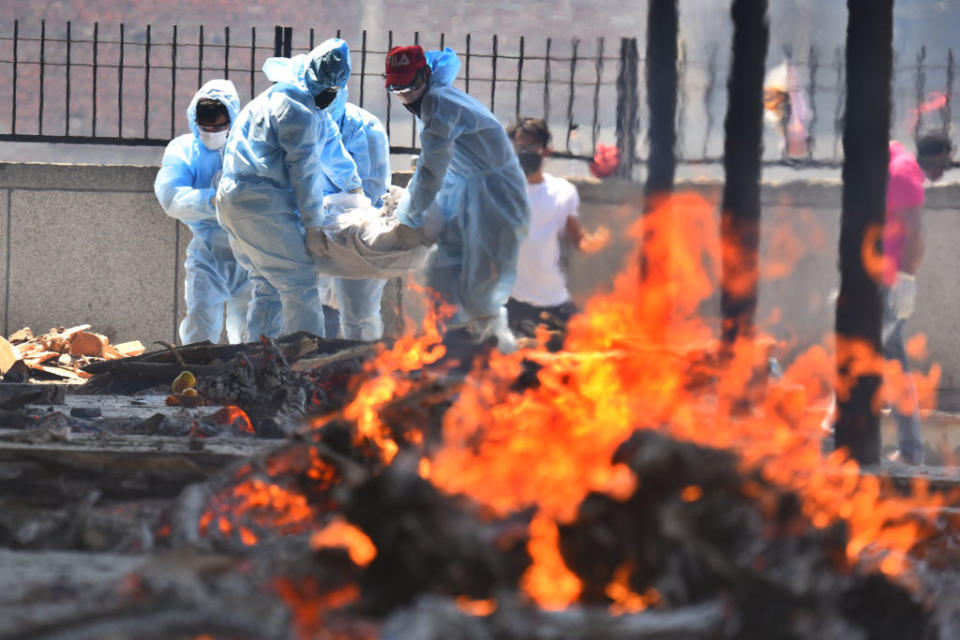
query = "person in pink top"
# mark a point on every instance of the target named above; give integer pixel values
(903, 250)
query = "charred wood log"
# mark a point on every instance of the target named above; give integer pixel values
(698, 527)
(121, 528)
(162, 620)
(275, 396)
(294, 346)
(174, 596)
(135, 374)
(436, 618)
(133, 377)
(416, 419)
(15, 395)
(118, 468)
(14, 419)
(428, 542)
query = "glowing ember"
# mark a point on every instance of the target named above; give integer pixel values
(248, 537)
(271, 504)
(476, 607)
(624, 599)
(234, 415)
(309, 603)
(260, 503)
(424, 468)
(691, 493)
(340, 533)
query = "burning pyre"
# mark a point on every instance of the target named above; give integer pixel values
(610, 490)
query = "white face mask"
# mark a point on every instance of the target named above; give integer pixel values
(214, 140)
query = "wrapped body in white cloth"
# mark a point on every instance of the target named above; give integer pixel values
(358, 240)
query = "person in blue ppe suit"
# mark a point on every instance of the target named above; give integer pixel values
(185, 186)
(366, 141)
(283, 155)
(468, 172)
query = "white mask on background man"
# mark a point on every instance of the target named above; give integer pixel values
(214, 140)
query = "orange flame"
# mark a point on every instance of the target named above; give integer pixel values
(875, 262)
(340, 533)
(548, 580)
(917, 347)
(643, 356)
(935, 100)
(634, 359)
(596, 241)
(423, 468)
(382, 384)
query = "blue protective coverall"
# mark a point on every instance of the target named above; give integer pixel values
(283, 155)
(185, 186)
(366, 141)
(468, 165)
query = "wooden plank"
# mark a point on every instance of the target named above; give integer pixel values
(131, 348)
(60, 372)
(24, 576)
(21, 335)
(66, 333)
(8, 355)
(39, 357)
(85, 343)
(15, 395)
(53, 595)
(119, 467)
(221, 446)
(359, 352)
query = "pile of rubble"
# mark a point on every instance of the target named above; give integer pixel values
(60, 353)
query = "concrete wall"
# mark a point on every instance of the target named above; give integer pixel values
(90, 244)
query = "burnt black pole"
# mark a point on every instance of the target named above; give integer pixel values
(742, 151)
(661, 82)
(865, 156)
(662, 25)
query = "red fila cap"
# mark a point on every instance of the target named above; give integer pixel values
(403, 64)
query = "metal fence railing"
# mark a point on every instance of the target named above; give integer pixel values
(130, 85)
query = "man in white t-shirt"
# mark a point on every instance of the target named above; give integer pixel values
(539, 294)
